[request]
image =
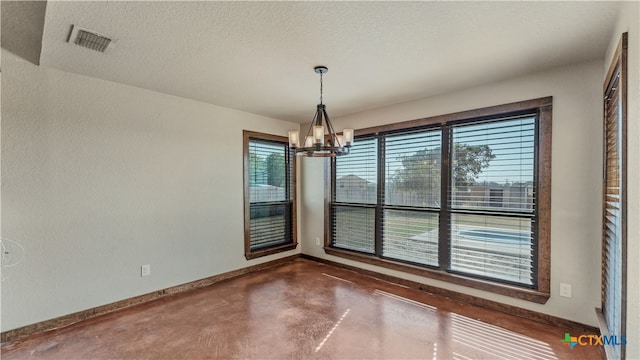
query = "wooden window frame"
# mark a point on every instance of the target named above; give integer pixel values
(541, 294)
(252, 254)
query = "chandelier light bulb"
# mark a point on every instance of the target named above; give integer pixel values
(294, 138)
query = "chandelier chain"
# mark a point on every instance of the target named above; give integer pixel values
(320, 87)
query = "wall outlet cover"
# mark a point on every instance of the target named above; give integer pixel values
(145, 270)
(565, 290)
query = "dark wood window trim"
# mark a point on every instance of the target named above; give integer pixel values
(291, 179)
(541, 294)
(615, 87)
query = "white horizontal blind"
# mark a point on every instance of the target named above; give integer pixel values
(355, 197)
(412, 196)
(410, 236)
(354, 228)
(492, 200)
(507, 149)
(612, 211)
(270, 202)
(492, 246)
(357, 174)
(413, 169)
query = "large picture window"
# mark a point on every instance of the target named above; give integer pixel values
(461, 197)
(269, 188)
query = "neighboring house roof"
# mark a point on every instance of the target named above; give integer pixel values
(353, 178)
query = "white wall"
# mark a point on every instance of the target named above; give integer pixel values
(628, 20)
(576, 174)
(99, 178)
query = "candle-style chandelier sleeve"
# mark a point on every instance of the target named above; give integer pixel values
(321, 139)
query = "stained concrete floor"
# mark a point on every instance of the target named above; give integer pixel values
(302, 310)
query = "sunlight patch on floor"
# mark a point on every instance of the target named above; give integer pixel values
(337, 278)
(497, 342)
(332, 330)
(404, 300)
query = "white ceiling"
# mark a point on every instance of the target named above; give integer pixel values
(259, 56)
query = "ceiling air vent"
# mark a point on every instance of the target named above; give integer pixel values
(89, 39)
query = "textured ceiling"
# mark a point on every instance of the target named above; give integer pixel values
(259, 56)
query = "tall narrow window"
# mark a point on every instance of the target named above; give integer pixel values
(412, 168)
(355, 198)
(492, 207)
(461, 197)
(269, 195)
(614, 200)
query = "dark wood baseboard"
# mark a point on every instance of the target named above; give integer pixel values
(570, 326)
(67, 320)
(539, 297)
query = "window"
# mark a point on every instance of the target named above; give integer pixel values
(355, 220)
(411, 202)
(614, 228)
(463, 198)
(491, 238)
(269, 201)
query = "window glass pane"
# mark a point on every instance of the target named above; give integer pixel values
(412, 169)
(410, 236)
(495, 247)
(270, 216)
(357, 173)
(493, 165)
(269, 225)
(354, 228)
(267, 167)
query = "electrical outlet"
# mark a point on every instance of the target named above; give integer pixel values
(145, 270)
(565, 290)
(318, 241)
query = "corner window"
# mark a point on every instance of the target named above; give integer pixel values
(461, 197)
(269, 201)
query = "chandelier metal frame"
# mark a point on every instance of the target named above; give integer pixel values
(321, 139)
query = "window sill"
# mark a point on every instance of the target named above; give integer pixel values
(271, 250)
(501, 289)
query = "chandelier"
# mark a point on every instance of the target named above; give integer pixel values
(321, 140)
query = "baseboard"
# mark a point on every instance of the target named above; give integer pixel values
(609, 352)
(67, 320)
(570, 326)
